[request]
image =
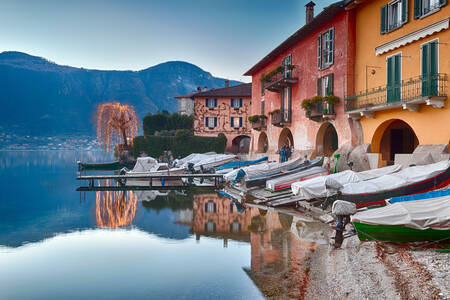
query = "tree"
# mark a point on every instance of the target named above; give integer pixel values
(115, 121)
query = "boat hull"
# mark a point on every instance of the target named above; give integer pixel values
(362, 200)
(111, 166)
(397, 233)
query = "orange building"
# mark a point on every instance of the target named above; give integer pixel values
(224, 110)
(401, 73)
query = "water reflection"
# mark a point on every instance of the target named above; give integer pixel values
(115, 209)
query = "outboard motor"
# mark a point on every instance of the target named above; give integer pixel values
(239, 176)
(342, 210)
(190, 168)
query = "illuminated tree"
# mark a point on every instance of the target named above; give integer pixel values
(115, 121)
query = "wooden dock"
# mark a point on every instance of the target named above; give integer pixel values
(121, 179)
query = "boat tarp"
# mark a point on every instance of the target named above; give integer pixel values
(421, 196)
(214, 160)
(251, 170)
(317, 187)
(431, 214)
(405, 177)
(285, 166)
(291, 178)
(192, 158)
(145, 164)
(241, 163)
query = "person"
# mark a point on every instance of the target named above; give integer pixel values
(283, 153)
(288, 152)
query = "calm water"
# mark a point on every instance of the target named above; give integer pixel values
(56, 243)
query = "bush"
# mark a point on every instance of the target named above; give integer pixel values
(253, 119)
(306, 104)
(276, 111)
(263, 117)
(331, 99)
(164, 121)
(316, 99)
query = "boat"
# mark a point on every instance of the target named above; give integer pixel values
(285, 182)
(325, 186)
(407, 221)
(421, 196)
(191, 159)
(285, 168)
(250, 171)
(412, 180)
(106, 166)
(151, 167)
(213, 161)
(238, 164)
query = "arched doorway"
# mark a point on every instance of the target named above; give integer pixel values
(263, 143)
(286, 138)
(326, 140)
(241, 144)
(394, 137)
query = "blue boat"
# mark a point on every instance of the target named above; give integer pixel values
(241, 163)
(421, 196)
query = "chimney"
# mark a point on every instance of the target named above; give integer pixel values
(199, 89)
(227, 83)
(206, 88)
(309, 12)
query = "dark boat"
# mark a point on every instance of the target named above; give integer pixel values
(438, 177)
(261, 180)
(107, 166)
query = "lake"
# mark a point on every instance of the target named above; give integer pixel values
(57, 243)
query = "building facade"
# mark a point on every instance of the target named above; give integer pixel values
(317, 60)
(224, 110)
(401, 75)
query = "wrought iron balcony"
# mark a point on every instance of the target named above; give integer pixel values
(282, 77)
(281, 118)
(321, 111)
(409, 94)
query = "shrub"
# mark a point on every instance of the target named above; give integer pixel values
(331, 99)
(253, 119)
(316, 99)
(275, 111)
(263, 117)
(165, 121)
(306, 104)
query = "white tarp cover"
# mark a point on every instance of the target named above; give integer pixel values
(317, 187)
(270, 184)
(421, 214)
(401, 179)
(254, 170)
(145, 164)
(192, 158)
(214, 160)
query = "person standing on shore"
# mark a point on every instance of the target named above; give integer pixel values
(283, 154)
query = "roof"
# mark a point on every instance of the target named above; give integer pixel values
(324, 16)
(187, 96)
(241, 90)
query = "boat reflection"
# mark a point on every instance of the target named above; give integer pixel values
(114, 209)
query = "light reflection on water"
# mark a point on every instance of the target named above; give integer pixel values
(139, 244)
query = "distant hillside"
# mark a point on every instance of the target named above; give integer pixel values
(39, 97)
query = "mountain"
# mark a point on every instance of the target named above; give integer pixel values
(39, 97)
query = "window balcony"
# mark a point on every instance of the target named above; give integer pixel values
(409, 94)
(280, 78)
(281, 118)
(321, 111)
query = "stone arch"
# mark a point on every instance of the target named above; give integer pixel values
(286, 137)
(326, 140)
(263, 143)
(392, 137)
(240, 144)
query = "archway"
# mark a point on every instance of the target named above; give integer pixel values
(241, 144)
(326, 140)
(285, 138)
(263, 143)
(393, 137)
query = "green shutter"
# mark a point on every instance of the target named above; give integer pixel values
(417, 9)
(319, 52)
(397, 77)
(330, 85)
(405, 11)
(319, 86)
(433, 58)
(425, 70)
(390, 81)
(384, 19)
(232, 121)
(332, 45)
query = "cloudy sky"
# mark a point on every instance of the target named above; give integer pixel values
(224, 37)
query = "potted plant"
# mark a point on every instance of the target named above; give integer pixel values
(253, 119)
(331, 101)
(306, 104)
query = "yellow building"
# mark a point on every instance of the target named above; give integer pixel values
(401, 74)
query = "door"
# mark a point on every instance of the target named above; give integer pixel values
(430, 69)
(393, 87)
(396, 142)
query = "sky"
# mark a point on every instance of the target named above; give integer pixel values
(224, 37)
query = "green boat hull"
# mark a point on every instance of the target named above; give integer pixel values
(395, 233)
(101, 166)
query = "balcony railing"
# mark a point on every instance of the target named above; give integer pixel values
(321, 111)
(281, 118)
(411, 91)
(285, 77)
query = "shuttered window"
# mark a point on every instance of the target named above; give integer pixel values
(430, 69)
(425, 7)
(236, 122)
(394, 70)
(236, 103)
(325, 85)
(393, 15)
(211, 122)
(325, 49)
(211, 103)
(262, 84)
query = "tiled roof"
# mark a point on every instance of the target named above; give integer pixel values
(187, 96)
(241, 90)
(321, 18)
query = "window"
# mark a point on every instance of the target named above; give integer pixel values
(425, 7)
(236, 103)
(262, 84)
(325, 85)
(236, 122)
(211, 122)
(210, 207)
(286, 62)
(394, 72)
(210, 226)
(430, 69)
(325, 49)
(286, 95)
(211, 103)
(394, 15)
(235, 227)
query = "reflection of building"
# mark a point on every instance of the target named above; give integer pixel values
(218, 217)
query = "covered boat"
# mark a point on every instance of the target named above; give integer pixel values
(250, 171)
(213, 161)
(407, 221)
(192, 159)
(321, 187)
(285, 182)
(421, 196)
(151, 167)
(285, 168)
(240, 163)
(412, 180)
